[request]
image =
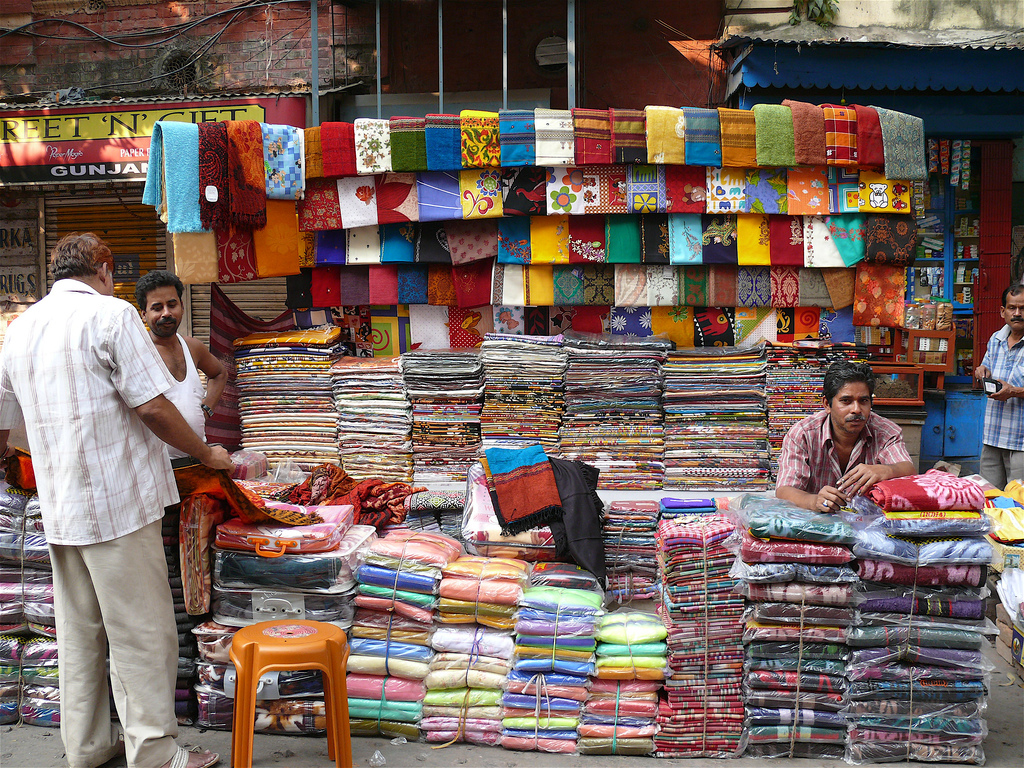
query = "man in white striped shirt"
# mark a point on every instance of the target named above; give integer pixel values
(79, 369)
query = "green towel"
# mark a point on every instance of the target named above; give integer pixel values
(408, 144)
(622, 238)
(773, 135)
(401, 711)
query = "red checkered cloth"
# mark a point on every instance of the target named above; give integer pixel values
(840, 135)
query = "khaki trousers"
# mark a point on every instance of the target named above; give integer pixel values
(1001, 465)
(115, 594)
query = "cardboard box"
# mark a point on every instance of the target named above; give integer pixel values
(1004, 651)
(1005, 556)
(1001, 615)
(1005, 632)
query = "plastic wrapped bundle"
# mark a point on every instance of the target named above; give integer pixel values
(716, 424)
(40, 705)
(482, 532)
(436, 512)
(482, 590)
(629, 530)
(295, 716)
(703, 713)
(242, 607)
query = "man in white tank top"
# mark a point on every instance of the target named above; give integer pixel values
(158, 295)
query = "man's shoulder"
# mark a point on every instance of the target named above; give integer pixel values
(883, 426)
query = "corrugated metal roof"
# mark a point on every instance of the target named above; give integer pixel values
(874, 66)
(807, 32)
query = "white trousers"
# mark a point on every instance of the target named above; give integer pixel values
(115, 594)
(1001, 465)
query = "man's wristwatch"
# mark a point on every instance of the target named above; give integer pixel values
(207, 410)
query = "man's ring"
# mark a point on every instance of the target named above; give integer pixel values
(825, 504)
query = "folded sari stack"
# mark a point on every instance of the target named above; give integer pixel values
(436, 511)
(525, 391)
(794, 570)
(613, 418)
(716, 422)
(285, 395)
(794, 378)
(478, 599)
(391, 636)
(619, 718)
(629, 550)
(702, 715)
(374, 419)
(554, 659)
(919, 679)
(446, 390)
(481, 530)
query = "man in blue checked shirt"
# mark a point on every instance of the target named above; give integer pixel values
(1002, 452)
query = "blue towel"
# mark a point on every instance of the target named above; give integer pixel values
(283, 156)
(703, 137)
(444, 142)
(179, 141)
(517, 135)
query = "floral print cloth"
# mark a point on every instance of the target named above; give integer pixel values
(373, 145)
(480, 144)
(807, 191)
(879, 294)
(480, 194)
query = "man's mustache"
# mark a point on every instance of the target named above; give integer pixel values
(855, 417)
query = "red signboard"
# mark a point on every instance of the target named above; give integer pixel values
(88, 144)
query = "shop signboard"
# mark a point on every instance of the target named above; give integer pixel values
(84, 144)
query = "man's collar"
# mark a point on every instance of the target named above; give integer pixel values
(75, 286)
(1003, 334)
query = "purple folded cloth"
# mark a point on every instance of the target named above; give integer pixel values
(932, 606)
(915, 654)
(671, 503)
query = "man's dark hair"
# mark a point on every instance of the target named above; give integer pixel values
(80, 255)
(157, 278)
(842, 373)
(1011, 290)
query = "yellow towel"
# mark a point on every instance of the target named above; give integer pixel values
(539, 285)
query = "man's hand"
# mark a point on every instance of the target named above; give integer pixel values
(219, 458)
(829, 499)
(1005, 392)
(981, 372)
(861, 478)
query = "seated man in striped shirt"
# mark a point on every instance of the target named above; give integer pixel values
(843, 450)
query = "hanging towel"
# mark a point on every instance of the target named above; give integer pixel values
(718, 240)
(890, 240)
(622, 239)
(440, 285)
(877, 194)
(645, 188)
(786, 240)
(472, 284)
(437, 195)
(592, 131)
(408, 143)
(903, 143)
(807, 191)
(444, 142)
(524, 191)
(785, 286)
(314, 153)
(766, 190)
(654, 247)
(549, 239)
(298, 292)
(586, 239)
(470, 241)
(739, 149)
(383, 283)
(630, 286)
(330, 247)
(840, 135)
(355, 286)
(373, 146)
(813, 291)
(363, 245)
(397, 200)
(665, 135)
(703, 140)
(307, 249)
(319, 208)
(629, 135)
(214, 208)
(412, 284)
(870, 151)
(693, 286)
(480, 145)
(283, 156)
(723, 282)
(517, 137)
(848, 235)
(325, 287)
(432, 244)
(840, 285)
(277, 244)
(173, 173)
(773, 135)
(808, 132)
(554, 137)
(195, 257)
(338, 143)
(754, 287)
(480, 194)
(684, 238)
(247, 189)
(685, 189)
(879, 295)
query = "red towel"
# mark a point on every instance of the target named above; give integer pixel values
(869, 138)
(808, 132)
(384, 285)
(338, 143)
(933, 490)
(326, 286)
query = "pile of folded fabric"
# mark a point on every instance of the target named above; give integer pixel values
(478, 598)
(436, 511)
(525, 391)
(184, 621)
(794, 569)
(619, 718)
(613, 416)
(555, 629)
(374, 418)
(391, 638)
(670, 507)
(10, 676)
(258, 568)
(285, 395)
(474, 649)
(446, 390)
(702, 715)
(29, 681)
(716, 423)
(919, 679)
(482, 532)
(629, 550)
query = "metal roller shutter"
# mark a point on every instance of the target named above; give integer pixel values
(262, 299)
(136, 236)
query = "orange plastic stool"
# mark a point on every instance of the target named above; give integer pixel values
(273, 646)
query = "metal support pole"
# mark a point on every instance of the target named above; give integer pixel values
(440, 57)
(378, 60)
(504, 54)
(314, 23)
(570, 44)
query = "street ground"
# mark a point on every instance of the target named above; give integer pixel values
(28, 746)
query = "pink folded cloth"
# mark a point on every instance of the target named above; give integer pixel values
(473, 591)
(394, 688)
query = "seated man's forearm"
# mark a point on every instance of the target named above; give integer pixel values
(796, 496)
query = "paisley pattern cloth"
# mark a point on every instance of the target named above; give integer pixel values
(903, 145)
(754, 287)
(373, 145)
(481, 147)
(890, 240)
(718, 239)
(785, 286)
(786, 240)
